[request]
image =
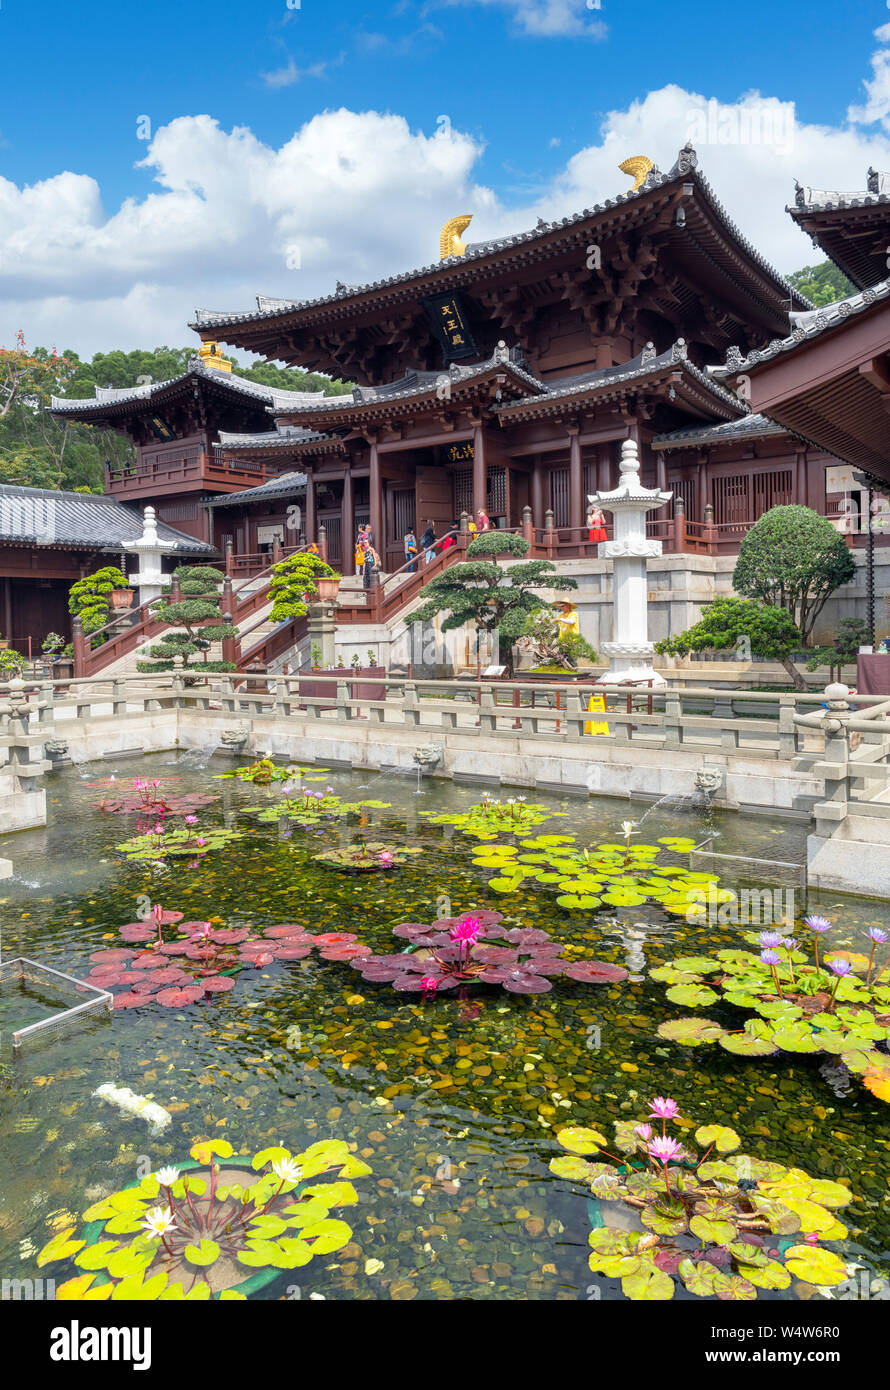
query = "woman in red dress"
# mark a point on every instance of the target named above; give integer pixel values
(596, 523)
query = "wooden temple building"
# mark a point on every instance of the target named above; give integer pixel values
(504, 376)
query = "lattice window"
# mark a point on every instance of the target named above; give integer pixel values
(559, 496)
(772, 489)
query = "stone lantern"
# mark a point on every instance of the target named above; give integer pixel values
(630, 652)
(150, 549)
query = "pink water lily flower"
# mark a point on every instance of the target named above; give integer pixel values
(644, 1131)
(663, 1108)
(663, 1149)
(386, 859)
(429, 982)
(468, 930)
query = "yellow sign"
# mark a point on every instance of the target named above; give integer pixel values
(597, 705)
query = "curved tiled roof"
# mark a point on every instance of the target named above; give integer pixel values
(284, 437)
(749, 427)
(686, 167)
(42, 516)
(283, 486)
(646, 363)
(807, 326)
(106, 396)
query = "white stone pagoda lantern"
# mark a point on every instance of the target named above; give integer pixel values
(150, 579)
(630, 652)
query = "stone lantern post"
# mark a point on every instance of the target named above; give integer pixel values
(630, 652)
(150, 549)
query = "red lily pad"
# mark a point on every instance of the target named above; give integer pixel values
(285, 929)
(169, 917)
(348, 952)
(147, 962)
(229, 936)
(170, 975)
(334, 938)
(264, 958)
(193, 926)
(104, 979)
(114, 953)
(293, 952)
(148, 985)
(218, 984)
(175, 948)
(136, 931)
(527, 984)
(129, 1001)
(594, 972)
(175, 998)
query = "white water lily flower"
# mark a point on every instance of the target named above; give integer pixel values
(627, 827)
(167, 1176)
(159, 1221)
(287, 1169)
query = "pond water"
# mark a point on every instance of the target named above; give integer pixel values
(453, 1109)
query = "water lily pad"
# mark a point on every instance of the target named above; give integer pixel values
(694, 996)
(815, 1265)
(580, 1140)
(691, 1031)
(722, 1137)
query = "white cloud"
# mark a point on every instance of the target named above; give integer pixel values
(357, 196)
(291, 74)
(548, 18)
(877, 105)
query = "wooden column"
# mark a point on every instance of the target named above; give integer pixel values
(604, 469)
(800, 482)
(347, 525)
(538, 494)
(7, 608)
(310, 508)
(576, 479)
(480, 491)
(376, 487)
(661, 482)
(702, 485)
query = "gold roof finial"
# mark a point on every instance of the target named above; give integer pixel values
(211, 356)
(638, 166)
(450, 243)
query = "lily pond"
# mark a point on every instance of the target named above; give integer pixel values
(487, 1085)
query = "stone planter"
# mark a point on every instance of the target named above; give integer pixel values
(328, 587)
(122, 598)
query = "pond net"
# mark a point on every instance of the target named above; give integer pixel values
(29, 990)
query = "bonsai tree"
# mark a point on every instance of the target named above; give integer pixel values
(486, 594)
(550, 646)
(793, 559)
(89, 598)
(768, 632)
(52, 644)
(12, 664)
(293, 581)
(852, 633)
(198, 614)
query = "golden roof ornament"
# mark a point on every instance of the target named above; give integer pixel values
(450, 243)
(637, 166)
(211, 356)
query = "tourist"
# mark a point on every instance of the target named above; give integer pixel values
(484, 523)
(370, 564)
(428, 541)
(596, 523)
(410, 549)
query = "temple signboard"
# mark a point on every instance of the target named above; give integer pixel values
(450, 325)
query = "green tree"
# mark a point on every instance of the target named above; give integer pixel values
(197, 613)
(89, 599)
(822, 283)
(731, 624)
(852, 633)
(793, 558)
(292, 580)
(488, 595)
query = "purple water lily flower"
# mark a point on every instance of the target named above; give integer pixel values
(770, 957)
(877, 935)
(771, 939)
(840, 967)
(817, 924)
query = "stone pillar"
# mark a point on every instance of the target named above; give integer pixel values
(528, 530)
(376, 489)
(347, 526)
(322, 630)
(22, 796)
(480, 475)
(630, 652)
(230, 557)
(323, 542)
(230, 645)
(576, 481)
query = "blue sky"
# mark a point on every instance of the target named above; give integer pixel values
(533, 92)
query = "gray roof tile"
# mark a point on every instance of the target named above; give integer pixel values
(41, 516)
(287, 485)
(807, 326)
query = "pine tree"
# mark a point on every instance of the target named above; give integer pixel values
(198, 613)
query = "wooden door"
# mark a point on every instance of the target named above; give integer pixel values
(434, 500)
